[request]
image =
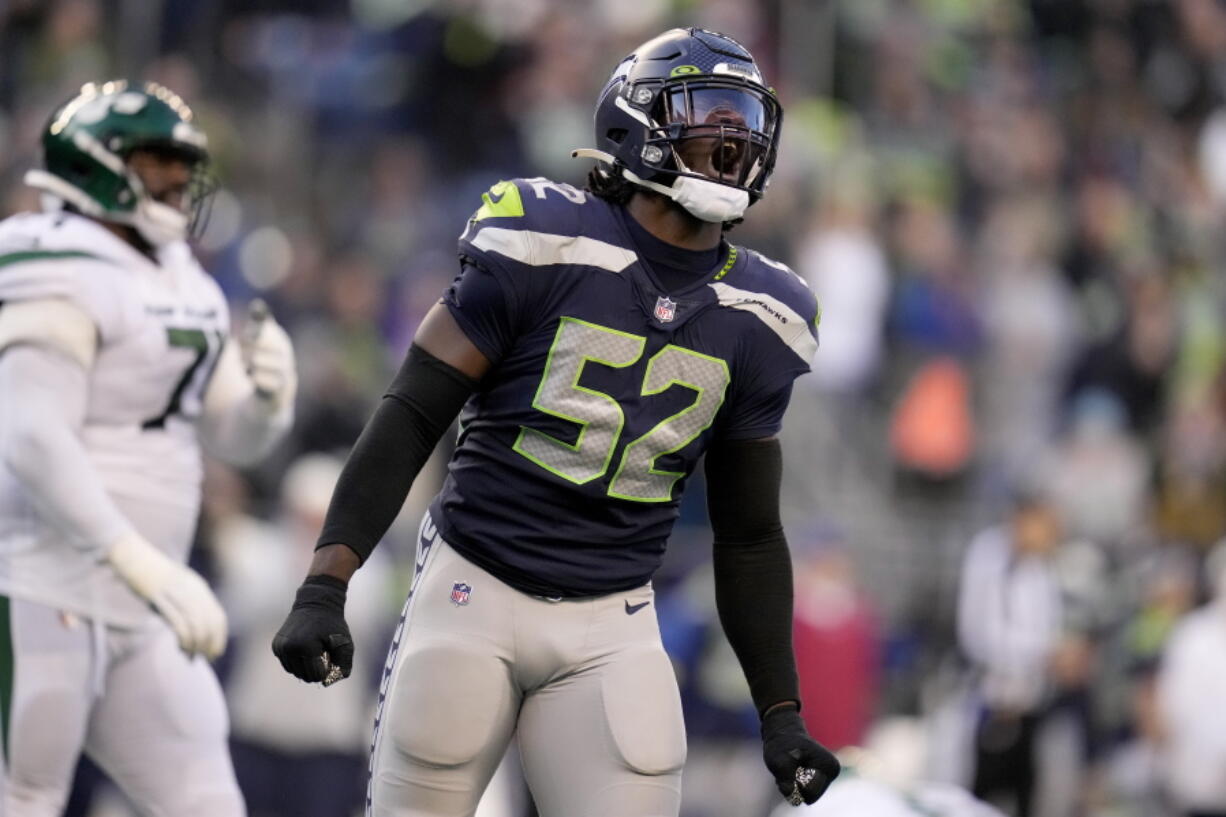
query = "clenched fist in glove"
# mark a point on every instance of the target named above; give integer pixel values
(249, 405)
(802, 767)
(175, 591)
(269, 355)
(314, 643)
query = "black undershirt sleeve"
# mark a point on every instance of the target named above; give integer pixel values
(753, 568)
(423, 399)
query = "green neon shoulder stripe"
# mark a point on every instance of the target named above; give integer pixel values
(44, 255)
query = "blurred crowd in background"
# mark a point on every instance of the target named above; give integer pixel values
(1006, 477)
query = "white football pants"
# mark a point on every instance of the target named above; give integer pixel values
(150, 717)
(584, 684)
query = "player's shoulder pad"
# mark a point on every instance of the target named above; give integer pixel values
(533, 204)
(50, 256)
(52, 323)
(537, 222)
(778, 297)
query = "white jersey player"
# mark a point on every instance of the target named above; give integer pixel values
(861, 797)
(886, 778)
(116, 368)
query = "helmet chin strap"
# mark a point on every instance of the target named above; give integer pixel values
(704, 199)
(158, 223)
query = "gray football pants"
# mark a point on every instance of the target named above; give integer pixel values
(149, 716)
(585, 686)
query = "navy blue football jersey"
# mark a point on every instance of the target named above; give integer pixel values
(605, 388)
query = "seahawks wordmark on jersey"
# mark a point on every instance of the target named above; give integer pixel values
(160, 330)
(605, 389)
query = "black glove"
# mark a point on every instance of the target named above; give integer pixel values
(787, 749)
(316, 628)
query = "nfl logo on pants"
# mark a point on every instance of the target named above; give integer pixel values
(666, 309)
(459, 593)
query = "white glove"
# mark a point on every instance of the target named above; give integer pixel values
(176, 592)
(269, 355)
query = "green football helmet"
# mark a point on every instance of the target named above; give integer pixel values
(86, 145)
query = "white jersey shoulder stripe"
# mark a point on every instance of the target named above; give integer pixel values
(28, 256)
(784, 321)
(58, 274)
(541, 249)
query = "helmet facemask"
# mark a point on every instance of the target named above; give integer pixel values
(714, 138)
(716, 129)
(687, 115)
(717, 138)
(159, 220)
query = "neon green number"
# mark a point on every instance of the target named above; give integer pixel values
(601, 418)
(637, 477)
(560, 395)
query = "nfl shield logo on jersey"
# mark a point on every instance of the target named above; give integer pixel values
(666, 309)
(459, 593)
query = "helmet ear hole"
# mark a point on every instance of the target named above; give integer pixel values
(78, 171)
(617, 135)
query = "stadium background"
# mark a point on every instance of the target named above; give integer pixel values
(1012, 213)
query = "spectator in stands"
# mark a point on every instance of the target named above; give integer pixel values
(1191, 697)
(1011, 627)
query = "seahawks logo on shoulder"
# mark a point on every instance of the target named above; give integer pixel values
(500, 201)
(504, 200)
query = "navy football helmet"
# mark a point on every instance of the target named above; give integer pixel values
(689, 116)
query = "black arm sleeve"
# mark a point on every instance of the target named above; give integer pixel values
(753, 569)
(417, 410)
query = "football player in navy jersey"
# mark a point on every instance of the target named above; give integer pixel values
(595, 344)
